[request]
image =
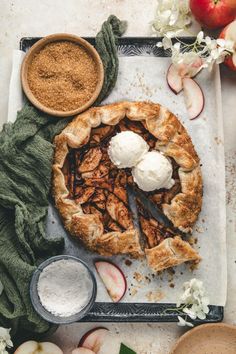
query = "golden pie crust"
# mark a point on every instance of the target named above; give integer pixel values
(171, 139)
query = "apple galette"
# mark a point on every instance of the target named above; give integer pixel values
(91, 191)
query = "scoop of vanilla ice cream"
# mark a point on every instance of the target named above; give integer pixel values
(126, 149)
(153, 171)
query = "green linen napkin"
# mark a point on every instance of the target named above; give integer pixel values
(26, 155)
(106, 41)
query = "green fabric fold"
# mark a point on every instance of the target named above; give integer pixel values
(26, 155)
(106, 45)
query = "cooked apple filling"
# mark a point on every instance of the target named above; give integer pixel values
(100, 187)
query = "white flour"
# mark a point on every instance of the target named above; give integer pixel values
(64, 287)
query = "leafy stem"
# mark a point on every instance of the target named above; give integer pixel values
(175, 309)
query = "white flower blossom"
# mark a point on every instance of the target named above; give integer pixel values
(208, 40)
(172, 17)
(193, 301)
(183, 322)
(167, 43)
(189, 59)
(5, 340)
(220, 42)
(215, 51)
(200, 37)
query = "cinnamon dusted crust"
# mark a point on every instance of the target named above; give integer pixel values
(169, 253)
(171, 139)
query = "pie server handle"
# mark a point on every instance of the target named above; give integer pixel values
(134, 211)
(155, 211)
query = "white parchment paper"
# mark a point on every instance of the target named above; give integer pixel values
(144, 78)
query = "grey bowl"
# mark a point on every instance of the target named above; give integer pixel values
(48, 316)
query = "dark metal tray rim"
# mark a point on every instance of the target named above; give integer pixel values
(137, 312)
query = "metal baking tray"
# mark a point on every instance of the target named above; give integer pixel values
(133, 312)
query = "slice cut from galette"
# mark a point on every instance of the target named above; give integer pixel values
(91, 192)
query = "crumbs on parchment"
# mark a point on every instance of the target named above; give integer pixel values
(193, 266)
(128, 262)
(133, 292)
(138, 277)
(230, 162)
(218, 140)
(192, 240)
(155, 296)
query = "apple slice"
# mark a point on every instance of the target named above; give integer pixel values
(93, 339)
(174, 80)
(113, 279)
(32, 347)
(82, 350)
(175, 74)
(190, 70)
(193, 96)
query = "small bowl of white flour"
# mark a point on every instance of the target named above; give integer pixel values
(63, 289)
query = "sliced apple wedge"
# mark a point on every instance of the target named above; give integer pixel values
(82, 350)
(190, 70)
(175, 74)
(32, 347)
(193, 96)
(174, 80)
(113, 279)
(93, 339)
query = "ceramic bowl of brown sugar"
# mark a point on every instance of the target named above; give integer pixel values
(62, 75)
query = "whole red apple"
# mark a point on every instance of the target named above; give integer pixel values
(229, 32)
(213, 13)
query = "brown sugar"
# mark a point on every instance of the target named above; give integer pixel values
(63, 76)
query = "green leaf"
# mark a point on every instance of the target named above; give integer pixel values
(125, 350)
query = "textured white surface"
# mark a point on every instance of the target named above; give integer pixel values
(20, 18)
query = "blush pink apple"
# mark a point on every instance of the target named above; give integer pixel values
(213, 13)
(93, 339)
(32, 347)
(229, 33)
